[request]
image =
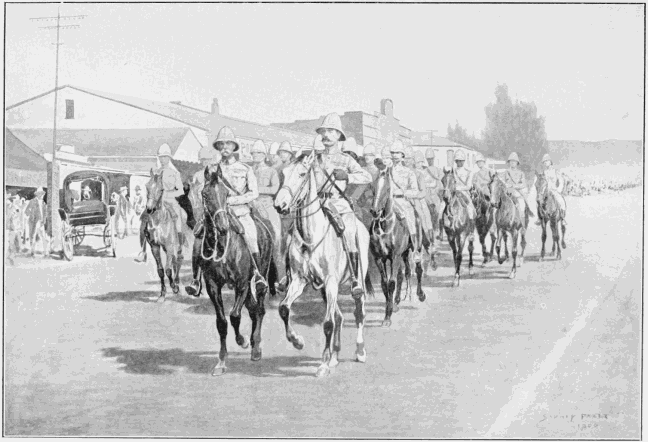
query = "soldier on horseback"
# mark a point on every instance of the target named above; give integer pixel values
(515, 182)
(207, 156)
(370, 157)
(464, 180)
(243, 184)
(433, 177)
(406, 189)
(339, 170)
(483, 176)
(285, 153)
(420, 203)
(555, 184)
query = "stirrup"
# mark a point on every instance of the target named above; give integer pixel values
(141, 257)
(259, 279)
(282, 285)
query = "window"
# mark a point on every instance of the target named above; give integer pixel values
(69, 109)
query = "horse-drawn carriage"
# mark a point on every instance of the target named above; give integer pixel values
(86, 208)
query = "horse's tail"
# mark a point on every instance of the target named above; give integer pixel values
(272, 277)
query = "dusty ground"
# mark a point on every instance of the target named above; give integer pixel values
(552, 354)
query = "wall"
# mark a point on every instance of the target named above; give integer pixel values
(188, 148)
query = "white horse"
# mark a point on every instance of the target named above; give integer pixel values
(316, 256)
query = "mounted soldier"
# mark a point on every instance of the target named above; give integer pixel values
(273, 157)
(243, 184)
(207, 157)
(483, 176)
(555, 184)
(515, 182)
(340, 170)
(433, 186)
(285, 153)
(420, 203)
(464, 181)
(405, 191)
(370, 157)
(173, 188)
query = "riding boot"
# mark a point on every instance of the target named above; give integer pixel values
(356, 289)
(258, 277)
(141, 257)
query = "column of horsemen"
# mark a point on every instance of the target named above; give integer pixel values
(418, 190)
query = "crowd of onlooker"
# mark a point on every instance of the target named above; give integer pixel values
(584, 187)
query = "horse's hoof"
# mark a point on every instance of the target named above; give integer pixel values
(175, 289)
(421, 297)
(256, 354)
(297, 342)
(512, 275)
(541, 259)
(334, 362)
(564, 246)
(161, 298)
(361, 356)
(396, 308)
(322, 371)
(242, 342)
(386, 323)
(219, 371)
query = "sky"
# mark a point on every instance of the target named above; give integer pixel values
(582, 65)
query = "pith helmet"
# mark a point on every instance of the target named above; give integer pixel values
(546, 157)
(317, 144)
(274, 147)
(419, 157)
(258, 147)
(285, 147)
(164, 151)
(40, 191)
(397, 146)
(369, 149)
(429, 153)
(206, 153)
(460, 156)
(350, 145)
(479, 157)
(226, 134)
(332, 121)
(409, 152)
(514, 157)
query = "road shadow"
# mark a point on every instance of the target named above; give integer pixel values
(168, 361)
(129, 296)
(82, 250)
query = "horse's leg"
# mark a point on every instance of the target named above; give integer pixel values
(553, 245)
(460, 241)
(419, 275)
(563, 227)
(506, 252)
(214, 292)
(543, 238)
(408, 279)
(295, 289)
(389, 295)
(337, 338)
(471, 248)
(514, 239)
(331, 287)
(453, 246)
(555, 233)
(482, 240)
(493, 237)
(498, 248)
(241, 294)
(155, 250)
(523, 244)
(256, 310)
(359, 313)
(400, 272)
(178, 265)
(170, 265)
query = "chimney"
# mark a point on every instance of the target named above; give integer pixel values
(176, 102)
(215, 108)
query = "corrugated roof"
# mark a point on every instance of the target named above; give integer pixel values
(19, 155)
(104, 142)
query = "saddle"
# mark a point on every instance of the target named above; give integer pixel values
(171, 210)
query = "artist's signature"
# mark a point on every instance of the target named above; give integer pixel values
(583, 421)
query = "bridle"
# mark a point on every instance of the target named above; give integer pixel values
(212, 217)
(379, 218)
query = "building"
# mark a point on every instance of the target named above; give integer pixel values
(445, 150)
(23, 167)
(379, 128)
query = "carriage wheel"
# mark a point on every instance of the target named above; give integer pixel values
(78, 234)
(107, 236)
(67, 241)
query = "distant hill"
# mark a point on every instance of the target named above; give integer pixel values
(588, 153)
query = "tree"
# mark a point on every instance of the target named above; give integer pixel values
(514, 127)
(459, 134)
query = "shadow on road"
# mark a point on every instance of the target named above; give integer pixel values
(165, 362)
(130, 296)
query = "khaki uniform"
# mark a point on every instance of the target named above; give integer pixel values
(242, 179)
(516, 184)
(556, 185)
(406, 190)
(268, 183)
(172, 185)
(330, 161)
(464, 181)
(420, 204)
(482, 179)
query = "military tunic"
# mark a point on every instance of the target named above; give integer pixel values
(515, 182)
(268, 182)
(406, 186)
(242, 180)
(556, 185)
(482, 179)
(172, 185)
(420, 204)
(329, 161)
(464, 181)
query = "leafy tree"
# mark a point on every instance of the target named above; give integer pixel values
(514, 127)
(459, 134)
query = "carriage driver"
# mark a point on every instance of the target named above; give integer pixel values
(555, 185)
(172, 184)
(344, 170)
(516, 184)
(243, 182)
(406, 189)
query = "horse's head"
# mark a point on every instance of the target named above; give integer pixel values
(214, 196)
(496, 187)
(294, 189)
(449, 184)
(541, 185)
(154, 191)
(383, 192)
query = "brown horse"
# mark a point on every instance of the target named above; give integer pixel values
(508, 219)
(390, 243)
(549, 211)
(457, 224)
(160, 232)
(485, 221)
(225, 259)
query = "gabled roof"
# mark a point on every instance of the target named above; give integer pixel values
(18, 155)
(426, 139)
(104, 142)
(181, 113)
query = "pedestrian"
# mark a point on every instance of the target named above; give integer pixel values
(37, 216)
(123, 209)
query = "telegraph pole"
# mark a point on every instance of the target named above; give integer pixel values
(53, 173)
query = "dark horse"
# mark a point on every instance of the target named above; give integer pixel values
(225, 259)
(390, 243)
(508, 219)
(484, 221)
(549, 211)
(457, 224)
(160, 232)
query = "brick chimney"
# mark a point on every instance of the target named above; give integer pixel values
(215, 108)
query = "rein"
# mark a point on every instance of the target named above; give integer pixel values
(214, 255)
